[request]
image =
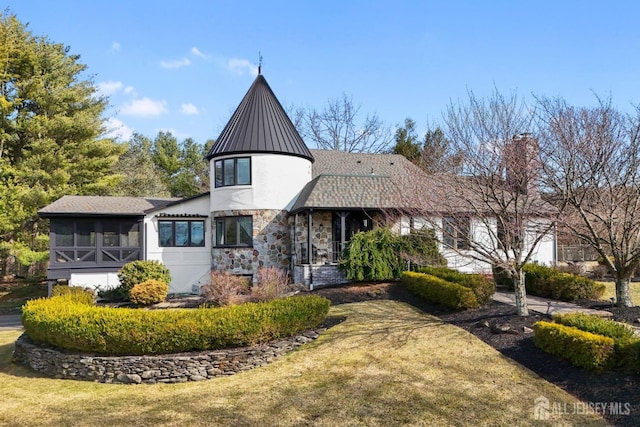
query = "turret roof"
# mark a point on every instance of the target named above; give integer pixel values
(260, 125)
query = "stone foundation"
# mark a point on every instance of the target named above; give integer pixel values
(315, 276)
(168, 368)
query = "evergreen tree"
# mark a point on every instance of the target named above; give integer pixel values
(50, 128)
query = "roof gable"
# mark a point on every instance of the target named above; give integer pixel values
(260, 125)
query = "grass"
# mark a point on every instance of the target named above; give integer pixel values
(386, 364)
(610, 291)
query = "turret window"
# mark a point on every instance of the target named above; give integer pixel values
(235, 171)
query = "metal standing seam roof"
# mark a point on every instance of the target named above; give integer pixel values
(260, 125)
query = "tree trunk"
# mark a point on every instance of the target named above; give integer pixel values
(521, 293)
(623, 296)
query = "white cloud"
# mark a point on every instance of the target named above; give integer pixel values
(129, 90)
(115, 47)
(175, 64)
(117, 129)
(109, 87)
(197, 52)
(240, 66)
(189, 109)
(144, 107)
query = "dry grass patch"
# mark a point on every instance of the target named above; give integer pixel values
(610, 291)
(386, 364)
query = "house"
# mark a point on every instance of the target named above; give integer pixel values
(273, 202)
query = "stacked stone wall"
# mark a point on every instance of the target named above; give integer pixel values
(169, 368)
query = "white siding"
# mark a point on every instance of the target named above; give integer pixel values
(189, 266)
(95, 281)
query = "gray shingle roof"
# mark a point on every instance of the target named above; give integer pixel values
(358, 180)
(335, 162)
(348, 192)
(260, 125)
(102, 205)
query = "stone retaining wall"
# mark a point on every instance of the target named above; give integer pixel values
(168, 368)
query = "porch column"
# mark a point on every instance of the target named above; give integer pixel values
(309, 235)
(343, 229)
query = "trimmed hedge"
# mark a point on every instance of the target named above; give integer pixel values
(581, 348)
(547, 282)
(483, 288)
(121, 331)
(626, 344)
(74, 294)
(439, 291)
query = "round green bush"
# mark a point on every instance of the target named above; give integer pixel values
(149, 292)
(137, 272)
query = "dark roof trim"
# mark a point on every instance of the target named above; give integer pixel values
(177, 202)
(167, 215)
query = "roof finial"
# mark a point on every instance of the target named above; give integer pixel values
(259, 63)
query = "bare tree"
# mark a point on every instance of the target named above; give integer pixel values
(336, 127)
(492, 213)
(592, 168)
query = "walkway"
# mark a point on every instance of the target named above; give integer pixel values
(548, 306)
(10, 322)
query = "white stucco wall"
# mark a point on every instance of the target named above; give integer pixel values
(276, 180)
(189, 266)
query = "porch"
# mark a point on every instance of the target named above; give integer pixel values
(320, 236)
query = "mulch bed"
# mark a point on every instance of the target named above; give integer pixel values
(518, 344)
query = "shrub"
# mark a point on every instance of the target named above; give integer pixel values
(420, 248)
(482, 287)
(439, 291)
(133, 273)
(547, 282)
(74, 294)
(572, 268)
(626, 344)
(124, 331)
(226, 289)
(595, 324)
(149, 292)
(272, 283)
(599, 271)
(372, 255)
(581, 348)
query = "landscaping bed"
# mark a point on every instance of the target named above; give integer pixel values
(516, 344)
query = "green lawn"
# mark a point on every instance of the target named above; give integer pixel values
(387, 364)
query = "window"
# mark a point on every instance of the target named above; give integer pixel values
(236, 171)
(234, 231)
(95, 241)
(455, 232)
(181, 233)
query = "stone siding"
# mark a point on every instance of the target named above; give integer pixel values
(271, 243)
(169, 368)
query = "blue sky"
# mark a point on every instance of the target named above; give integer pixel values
(185, 66)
